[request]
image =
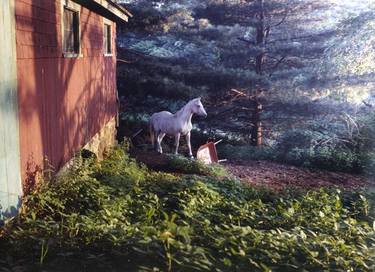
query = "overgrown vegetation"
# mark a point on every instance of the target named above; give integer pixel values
(116, 215)
(318, 146)
(181, 164)
(343, 160)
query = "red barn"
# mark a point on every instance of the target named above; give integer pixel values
(57, 86)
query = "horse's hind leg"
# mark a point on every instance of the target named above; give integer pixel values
(177, 142)
(158, 142)
(152, 136)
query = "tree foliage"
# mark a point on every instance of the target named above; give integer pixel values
(316, 63)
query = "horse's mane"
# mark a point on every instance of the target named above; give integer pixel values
(180, 111)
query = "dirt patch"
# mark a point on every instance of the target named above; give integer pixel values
(153, 160)
(278, 176)
(264, 173)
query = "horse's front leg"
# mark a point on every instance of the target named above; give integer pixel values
(158, 142)
(189, 145)
(176, 142)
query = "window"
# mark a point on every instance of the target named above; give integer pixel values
(71, 42)
(107, 39)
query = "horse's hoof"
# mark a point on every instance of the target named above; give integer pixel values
(191, 157)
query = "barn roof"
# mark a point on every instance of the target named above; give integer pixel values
(107, 8)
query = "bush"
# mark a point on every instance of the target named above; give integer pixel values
(369, 163)
(295, 153)
(118, 216)
(245, 152)
(343, 160)
(181, 164)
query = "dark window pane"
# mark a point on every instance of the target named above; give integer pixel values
(107, 39)
(71, 31)
(76, 32)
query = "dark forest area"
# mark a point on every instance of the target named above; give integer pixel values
(295, 78)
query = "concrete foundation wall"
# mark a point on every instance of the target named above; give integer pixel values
(103, 140)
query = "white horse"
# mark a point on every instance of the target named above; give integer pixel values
(164, 122)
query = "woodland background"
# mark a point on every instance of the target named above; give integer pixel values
(310, 64)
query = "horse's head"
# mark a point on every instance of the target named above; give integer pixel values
(197, 107)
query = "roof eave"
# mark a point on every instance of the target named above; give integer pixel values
(108, 9)
(120, 7)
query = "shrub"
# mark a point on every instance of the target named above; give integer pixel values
(116, 215)
(368, 160)
(245, 152)
(327, 158)
(181, 164)
(336, 159)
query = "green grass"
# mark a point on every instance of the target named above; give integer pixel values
(181, 164)
(118, 216)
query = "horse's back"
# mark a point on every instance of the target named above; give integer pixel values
(160, 115)
(162, 121)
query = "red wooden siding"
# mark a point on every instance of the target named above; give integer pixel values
(63, 102)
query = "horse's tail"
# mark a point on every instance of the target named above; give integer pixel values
(152, 134)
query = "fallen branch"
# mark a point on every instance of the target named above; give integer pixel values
(126, 61)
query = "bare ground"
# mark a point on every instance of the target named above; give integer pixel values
(279, 176)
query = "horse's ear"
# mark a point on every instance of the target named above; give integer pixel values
(199, 98)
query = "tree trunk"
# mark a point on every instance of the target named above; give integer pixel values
(257, 131)
(260, 39)
(262, 33)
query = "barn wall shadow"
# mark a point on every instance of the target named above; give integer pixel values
(63, 102)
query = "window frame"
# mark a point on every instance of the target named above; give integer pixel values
(107, 23)
(76, 8)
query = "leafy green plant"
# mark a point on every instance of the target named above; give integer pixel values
(246, 152)
(117, 215)
(181, 164)
(327, 158)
